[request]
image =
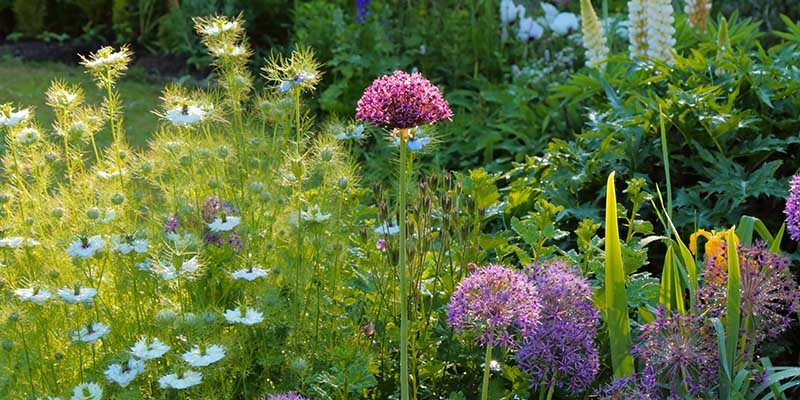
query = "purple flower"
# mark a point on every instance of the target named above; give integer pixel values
(500, 305)
(381, 245)
(361, 8)
(172, 224)
(285, 396)
(402, 101)
(769, 293)
(562, 346)
(214, 206)
(792, 210)
(681, 349)
(640, 386)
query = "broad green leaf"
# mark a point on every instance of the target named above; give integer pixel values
(619, 329)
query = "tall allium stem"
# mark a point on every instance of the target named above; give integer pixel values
(487, 362)
(402, 266)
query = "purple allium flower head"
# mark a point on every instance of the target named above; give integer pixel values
(172, 224)
(212, 238)
(769, 293)
(402, 101)
(681, 349)
(641, 386)
(792, 210)
(563, 343)
(285, 396)
(361, 9)
(500, 305)
(235, 241)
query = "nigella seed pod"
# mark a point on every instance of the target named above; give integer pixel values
(265, 197)
(50, 156)
(123, 154)
(117, 198)
(58, 356)
(29, 221)
(93, 213)
(8, 345)
(146, 167)
(222, 152)
(13, 316)
(57, 213)
(257, 187)
(4, 198)
(326, 155)
(54, 274)
(185, 161)
(203, 153)
(342, 182)
(212, 183)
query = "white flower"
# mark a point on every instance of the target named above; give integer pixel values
(179, 240)
(190, 266)
(697, 11)
(166, 271)
(149, 351)
(314, 214)
(106, 175)
(217, 27)
(651, 31)
(203, 357)
(356, 133)
(249, 274)
(529, 29)
(228, 51)
(224, 224)
(123, 374)
(31, 242)
(508, 12)
(180, 381)
(12, 118)
(387, 229)
(11, 242)
(87, 391)
(109, 216)
(244, 316)
(185, 115)
(550, 12)
(35, 295)
(145, 265)
(28, 135)
(564, 23)
(77, 295)
(86, 247)
(126, 246)
(90, 333)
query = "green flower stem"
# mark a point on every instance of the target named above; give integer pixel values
(404, 392)
(487, 362)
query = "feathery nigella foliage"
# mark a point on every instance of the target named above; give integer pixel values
(402, 101)
(682, 351)
(498, 304)
(769, 293)
(562, 347)
(792, 210)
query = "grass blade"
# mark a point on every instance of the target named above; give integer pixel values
(619, 328)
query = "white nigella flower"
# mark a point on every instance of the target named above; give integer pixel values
(387, 229)
(508, 12)
(122, 374)
(87, 391)
(190, 266)
(12, 242)
(550, 12)
(77, 295)
(529, 30)
(355, 134)
(101, 61)
(126, 245)
(166, 271)
(11, 118)
(564, 23)
(314, 214)
(204, 356)
(110, 174)
(224, 223)
(185, 115)
(90, 333)
(145, 265)
(228, 51)
(34, 295)
(180, 380)
(28, 136)
(249, 316)
(86, 247)
(109, 216)
(149, 351)
(217, 27)
(651, 31)
(249, 274)
(180, 240)
(594, 38)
